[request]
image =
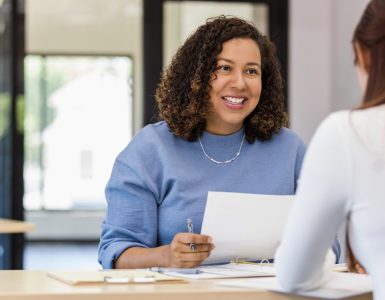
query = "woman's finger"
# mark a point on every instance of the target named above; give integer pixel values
(189, 248)
(188, 238)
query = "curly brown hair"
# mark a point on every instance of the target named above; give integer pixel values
(183, 93)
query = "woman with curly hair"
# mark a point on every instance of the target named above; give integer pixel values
(222, 129)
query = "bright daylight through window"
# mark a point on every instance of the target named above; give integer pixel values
(78, 116)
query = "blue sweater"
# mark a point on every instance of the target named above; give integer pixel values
(159, 180)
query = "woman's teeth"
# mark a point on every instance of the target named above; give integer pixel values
(234, 100)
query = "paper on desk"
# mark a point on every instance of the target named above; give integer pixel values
(230, 270)
(121, 276)
(244, 226)
(340, 285)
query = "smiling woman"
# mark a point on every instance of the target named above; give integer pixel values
(221, 101)
(235, 87)
(184, 95)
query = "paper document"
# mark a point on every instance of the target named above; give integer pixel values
(340, 285)
(230, 270)
(246, 227)
(111, 276)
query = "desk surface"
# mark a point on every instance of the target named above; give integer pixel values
(13, 226)
(35, 285)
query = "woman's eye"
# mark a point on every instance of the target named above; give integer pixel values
(224, 68)
(252, 72)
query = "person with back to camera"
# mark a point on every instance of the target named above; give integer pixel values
(343, 177)
(221, 101)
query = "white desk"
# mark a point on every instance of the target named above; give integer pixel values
(33, 285)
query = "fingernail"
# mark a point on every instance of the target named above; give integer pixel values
(209, 239)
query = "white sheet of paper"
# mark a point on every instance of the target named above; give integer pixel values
(244, 226)
(340, 285)
(226, 271)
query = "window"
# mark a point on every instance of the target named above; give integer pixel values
(78, 117)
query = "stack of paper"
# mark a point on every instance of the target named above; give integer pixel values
(231, 270)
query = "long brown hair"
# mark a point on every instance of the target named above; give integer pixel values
(370, 36)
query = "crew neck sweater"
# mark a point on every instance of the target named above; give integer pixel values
(160, 180)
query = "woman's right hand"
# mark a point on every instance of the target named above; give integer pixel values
(181, 254)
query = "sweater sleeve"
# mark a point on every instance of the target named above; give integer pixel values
(131, 218)
(321, 206)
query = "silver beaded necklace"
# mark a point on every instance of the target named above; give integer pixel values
(226, 161)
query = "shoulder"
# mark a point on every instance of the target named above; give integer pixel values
(333, 132)
(369, 117)
(338, 117)
(147, 142)
(288, 134)
(335, 124)
(368, 126)
(288, 138)
(156, 130)
(152, 134)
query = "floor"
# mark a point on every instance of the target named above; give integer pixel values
(61, 256)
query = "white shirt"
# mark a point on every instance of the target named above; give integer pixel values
(343, 175)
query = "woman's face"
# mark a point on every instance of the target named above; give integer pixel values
(235, 86)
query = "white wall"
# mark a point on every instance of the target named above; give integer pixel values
(322, 76)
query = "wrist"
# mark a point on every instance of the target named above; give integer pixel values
(164, 256)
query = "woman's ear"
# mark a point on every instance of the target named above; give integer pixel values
(362, 62)
(363, 57)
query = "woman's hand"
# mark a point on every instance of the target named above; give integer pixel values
(353, 264)
(356, 268)
(181, 253)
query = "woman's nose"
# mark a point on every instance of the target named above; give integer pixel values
(238, 81)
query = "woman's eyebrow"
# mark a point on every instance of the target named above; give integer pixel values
(226, 60)
(254, 64)
(232, 62)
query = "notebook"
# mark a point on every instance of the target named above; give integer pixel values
(111, 276)
(244, 227)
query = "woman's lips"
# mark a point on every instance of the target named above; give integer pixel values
(234, 102)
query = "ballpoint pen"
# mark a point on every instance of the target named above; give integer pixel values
(191, 271)
(190, 230)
